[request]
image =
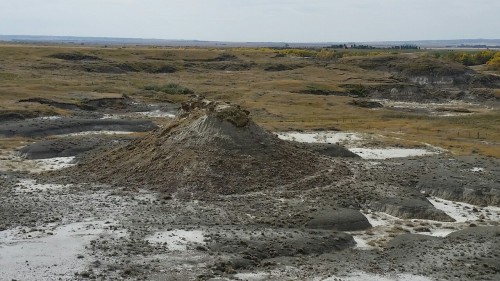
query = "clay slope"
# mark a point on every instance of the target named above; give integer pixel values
(210, 147)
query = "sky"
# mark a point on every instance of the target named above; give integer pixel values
(255, 20)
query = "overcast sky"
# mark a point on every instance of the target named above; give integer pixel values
(255, 20)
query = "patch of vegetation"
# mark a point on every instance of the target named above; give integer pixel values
(373, 62)
(429, 66)
(170, 88)
(234, 115)
(225, 57)
(8, 76)
(366, 104)
(74, 56)
(469, 58)
(326, 53)
(396, 115)
(303, 53)
(146, 67)
(281, 67)
(318, 90)
(225, 66)
(421, 65)
(494, 63)
(357, 90)
(118, 68)
(103, 68)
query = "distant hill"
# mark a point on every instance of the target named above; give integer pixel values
(459, 43)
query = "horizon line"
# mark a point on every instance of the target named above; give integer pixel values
(229, 41)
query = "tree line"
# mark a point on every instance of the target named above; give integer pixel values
(488, 57)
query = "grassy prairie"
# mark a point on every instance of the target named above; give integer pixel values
(267, 82)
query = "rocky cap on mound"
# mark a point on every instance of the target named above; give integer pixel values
(210, 147)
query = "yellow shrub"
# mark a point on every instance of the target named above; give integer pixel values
(494, 63)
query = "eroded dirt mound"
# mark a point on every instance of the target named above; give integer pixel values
(212, 147)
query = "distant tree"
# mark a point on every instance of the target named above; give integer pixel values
(405, 47)
(339, 46)
(362, 47)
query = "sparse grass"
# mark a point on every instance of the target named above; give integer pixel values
(11, 143)
(272, 97)
(76, 56)
(170, 88)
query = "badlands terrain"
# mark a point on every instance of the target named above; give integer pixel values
(149, 163)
